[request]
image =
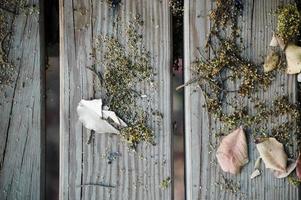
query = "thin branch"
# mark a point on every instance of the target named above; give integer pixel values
(97, 184)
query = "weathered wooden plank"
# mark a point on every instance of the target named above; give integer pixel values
(134, 175)
(202, 171)
(21, 102)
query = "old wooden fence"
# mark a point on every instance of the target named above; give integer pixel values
(134, 175)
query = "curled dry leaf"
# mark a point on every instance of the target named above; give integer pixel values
(95, 118)
(232, 153)
(293, 58)
(271, 61)
(272, 153)
(289, 169)
(298, 167)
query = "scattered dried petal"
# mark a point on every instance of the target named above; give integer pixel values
(272, 153)
(232, 153)
(293, 58)
(255, 174)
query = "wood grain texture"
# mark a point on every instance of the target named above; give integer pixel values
(134, 175)
(202, 171)
(22, 113)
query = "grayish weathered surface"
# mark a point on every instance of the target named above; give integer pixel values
(134, 175)
(202, 170)
(21, 115)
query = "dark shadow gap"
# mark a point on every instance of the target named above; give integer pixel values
(51, 25)
(177, 7)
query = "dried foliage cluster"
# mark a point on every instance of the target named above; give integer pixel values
(125, 68)
(289, 22)
(216, 76)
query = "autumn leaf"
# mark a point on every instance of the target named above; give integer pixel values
(232, 153)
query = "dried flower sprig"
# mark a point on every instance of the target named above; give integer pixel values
(216, 74)
(126, 67)
(289, 22)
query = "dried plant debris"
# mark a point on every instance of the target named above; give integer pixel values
(165, 183)
(113, 156)
(123, 71)
(137, 133)
(294, 180)
(30, 10)
(176, 6)
(18, 7)
(232, 153)
(97, 185)
(288, 31)
(126, 67)
(229, 185)
(289, 22)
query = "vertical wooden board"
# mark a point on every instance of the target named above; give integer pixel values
(202, 170)
(134, 175)
(21, 105)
